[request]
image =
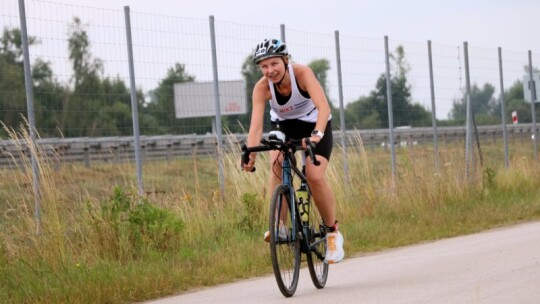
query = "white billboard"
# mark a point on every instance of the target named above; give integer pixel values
(196, 99)
(527, 87)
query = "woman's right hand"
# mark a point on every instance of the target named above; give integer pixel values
(250, 165)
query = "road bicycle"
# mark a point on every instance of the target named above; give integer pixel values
(295, 227)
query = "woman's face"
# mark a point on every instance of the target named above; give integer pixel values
(273, 68)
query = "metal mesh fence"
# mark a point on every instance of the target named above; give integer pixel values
(82, 92)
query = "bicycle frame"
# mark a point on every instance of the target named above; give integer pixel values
(300, 231)
(287, 179)
(288, 150)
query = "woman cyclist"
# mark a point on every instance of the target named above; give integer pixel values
(299, 109)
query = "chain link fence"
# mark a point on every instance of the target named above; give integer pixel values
(83, 97)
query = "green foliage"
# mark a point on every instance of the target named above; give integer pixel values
(108, 255)
(515, 101)
(91, 105)
(372, 111)
(86, 68)
(12, 90)
(482, 102)
(251, 73)
(253, 211)
(487, 109)
(11, 47)
(142, 225)
(320, 68)
(490, 178)
(161, 107)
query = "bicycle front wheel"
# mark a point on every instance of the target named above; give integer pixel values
(318, 269)
(284, 247)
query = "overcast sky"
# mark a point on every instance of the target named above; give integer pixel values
(510, 24)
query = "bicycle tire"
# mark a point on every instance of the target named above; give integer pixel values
(284, 249)
(318, 269)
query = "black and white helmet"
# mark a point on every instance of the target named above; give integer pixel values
(269, 48)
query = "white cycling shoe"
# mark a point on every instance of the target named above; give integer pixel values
(282, 234)
(334, 247)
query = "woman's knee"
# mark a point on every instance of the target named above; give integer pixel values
(316, 179)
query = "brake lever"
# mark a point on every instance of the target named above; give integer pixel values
(310, 146)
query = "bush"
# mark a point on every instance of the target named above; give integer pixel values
(253, 212)
(139, 226)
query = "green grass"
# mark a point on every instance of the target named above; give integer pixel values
(102, 243)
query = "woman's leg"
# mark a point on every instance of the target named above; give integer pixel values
(323, 194)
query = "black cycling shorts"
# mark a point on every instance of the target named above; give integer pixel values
(297, 129)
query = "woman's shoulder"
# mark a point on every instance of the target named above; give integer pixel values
(299, 67)
(301, 70)
(262, 83)
(262, 87)
(303, 74)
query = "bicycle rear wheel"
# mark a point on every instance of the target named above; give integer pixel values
(318, 269)
(284, 247)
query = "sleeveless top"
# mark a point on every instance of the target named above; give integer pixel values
(296, 107)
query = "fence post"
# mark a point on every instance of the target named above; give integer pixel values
(134, 108)
(433, 110)
(532, 86)
(468, 136)
(218, 107)
(282, 31)
(390, 110)
(31, 115)
(341, 110)
(503, 112)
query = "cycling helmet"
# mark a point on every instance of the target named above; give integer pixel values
(269, 48)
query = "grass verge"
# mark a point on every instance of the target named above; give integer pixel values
(100, 242)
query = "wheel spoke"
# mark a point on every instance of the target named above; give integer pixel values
(284, 249)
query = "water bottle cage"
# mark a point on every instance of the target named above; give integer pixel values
(303, 206)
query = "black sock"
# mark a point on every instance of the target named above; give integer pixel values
(333, 228)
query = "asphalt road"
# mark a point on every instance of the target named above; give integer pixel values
(496, 266)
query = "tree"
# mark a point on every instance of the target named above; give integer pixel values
(372, 111)
(97, 105)
(161, 107)
(401, 65)
(86, 69)
(515, 101)
(12, 85)
(86, 97)
(251, 73)
(12, 89)
(11, 49)
(320, 68)
(48, 99)
(482, 103)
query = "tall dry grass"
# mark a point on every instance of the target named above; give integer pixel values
(99, 243)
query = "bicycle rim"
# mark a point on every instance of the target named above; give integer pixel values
(284, 251)
(318, 269)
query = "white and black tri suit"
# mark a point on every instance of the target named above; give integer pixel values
(296, 115)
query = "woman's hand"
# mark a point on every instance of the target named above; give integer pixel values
(250, 166)
(313, 140)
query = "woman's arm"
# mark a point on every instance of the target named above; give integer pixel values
(261, 93)
(307, 81)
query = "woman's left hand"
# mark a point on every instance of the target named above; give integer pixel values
(312, 139)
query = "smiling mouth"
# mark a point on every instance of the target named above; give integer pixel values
(273, 77)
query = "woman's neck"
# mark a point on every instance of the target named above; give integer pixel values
(284, 85)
